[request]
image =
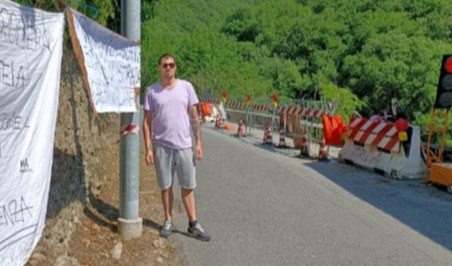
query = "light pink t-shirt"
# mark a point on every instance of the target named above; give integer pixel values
(170, 121)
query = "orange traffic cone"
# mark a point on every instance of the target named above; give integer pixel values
(240, 130)
(304, 151)
(268, 139)
(282, 139)
(323, 151)
(219, 122)
(282, 136)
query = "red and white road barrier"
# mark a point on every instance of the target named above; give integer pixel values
(235, 105)
(298, 110)
(375, 133)
(213, 101)
(261, 107)
(375, 144)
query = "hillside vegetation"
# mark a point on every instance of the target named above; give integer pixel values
(359, 53)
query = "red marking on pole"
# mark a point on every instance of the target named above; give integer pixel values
(131, 129)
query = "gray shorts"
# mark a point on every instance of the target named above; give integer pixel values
(169, 161)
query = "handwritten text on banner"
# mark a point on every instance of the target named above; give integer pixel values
(30, 62)
(112, 64)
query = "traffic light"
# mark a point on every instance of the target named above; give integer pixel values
(444, 92)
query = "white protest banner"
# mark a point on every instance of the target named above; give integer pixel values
(31, 47)
(110, 64)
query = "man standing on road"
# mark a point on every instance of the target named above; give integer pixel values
(170, 111)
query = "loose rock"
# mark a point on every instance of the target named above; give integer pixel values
(116, 251)
(64, 260)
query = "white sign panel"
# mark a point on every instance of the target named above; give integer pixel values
(30, 61)
(112, 64)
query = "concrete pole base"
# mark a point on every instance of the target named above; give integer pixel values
(129, 229)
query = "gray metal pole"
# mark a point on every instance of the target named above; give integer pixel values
(130, 225)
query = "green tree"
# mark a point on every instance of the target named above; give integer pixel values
(106, 13)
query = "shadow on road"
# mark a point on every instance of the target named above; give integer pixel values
(420, 206)
(423, 208)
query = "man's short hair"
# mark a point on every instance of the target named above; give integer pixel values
(166, 56)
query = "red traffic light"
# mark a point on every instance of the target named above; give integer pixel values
(444, 91)
(448, 65)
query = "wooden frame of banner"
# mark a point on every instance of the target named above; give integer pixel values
(80, 58)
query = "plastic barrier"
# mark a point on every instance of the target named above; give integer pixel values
(303, 125)
(374, 144)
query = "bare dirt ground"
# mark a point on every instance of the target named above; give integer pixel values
(95, 236)
(94, 240)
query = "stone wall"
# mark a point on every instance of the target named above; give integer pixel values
(82, 141)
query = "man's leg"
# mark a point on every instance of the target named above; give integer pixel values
(167, 200)
(188, 197)
(194, 228)
(164, 169)
(186, 172)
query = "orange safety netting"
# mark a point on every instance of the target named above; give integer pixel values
(333, 129)
(206, 109)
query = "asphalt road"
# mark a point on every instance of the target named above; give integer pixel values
(265, 208)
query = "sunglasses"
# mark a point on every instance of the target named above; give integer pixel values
(170, 65)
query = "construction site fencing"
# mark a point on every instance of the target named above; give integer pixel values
(295, 118)
(304, 116)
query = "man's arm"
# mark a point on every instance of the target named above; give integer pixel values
(147, 129)
(196, 127)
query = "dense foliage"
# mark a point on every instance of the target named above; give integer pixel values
(359, 53)
(106, 13)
